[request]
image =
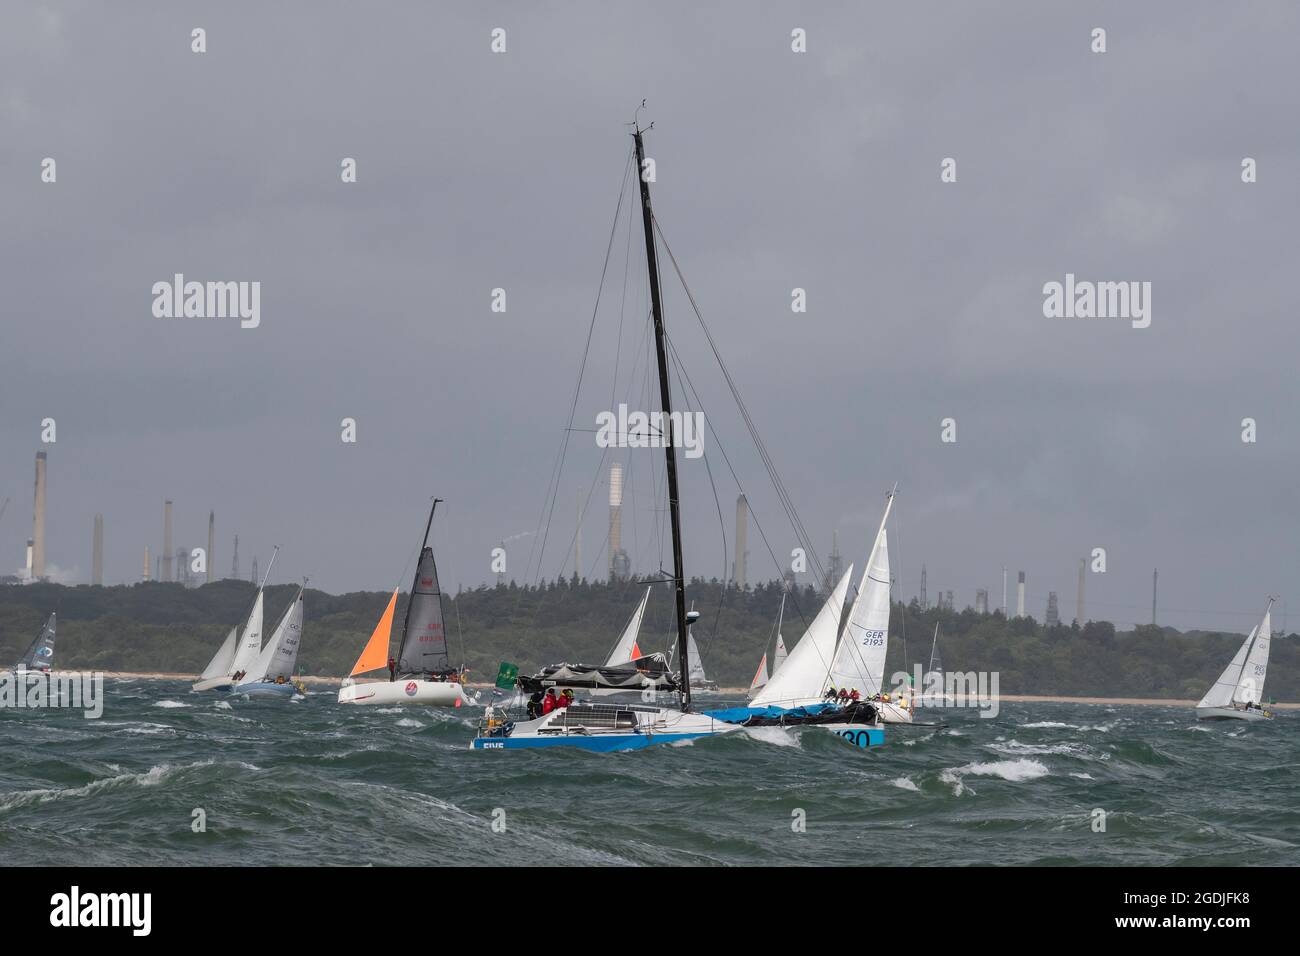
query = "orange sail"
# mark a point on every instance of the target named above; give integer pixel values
(375, 654)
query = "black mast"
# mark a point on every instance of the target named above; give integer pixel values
(670, 450)
(423, 548)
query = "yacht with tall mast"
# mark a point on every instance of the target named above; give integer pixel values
(1238, 694)
(593, 724)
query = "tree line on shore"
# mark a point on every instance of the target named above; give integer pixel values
(164, 627)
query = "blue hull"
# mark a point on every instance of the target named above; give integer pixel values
(597, 743)
(861, 737)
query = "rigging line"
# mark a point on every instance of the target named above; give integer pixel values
(722, 524)
(553, 490)
(758, 525)
(783, 495)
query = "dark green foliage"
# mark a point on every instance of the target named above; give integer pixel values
(163, 627)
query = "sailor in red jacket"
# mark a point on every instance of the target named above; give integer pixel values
(549, 702)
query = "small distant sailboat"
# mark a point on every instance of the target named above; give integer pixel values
(233, 659)
(626, 649)
(700, 682)
(269, 675)
(1239, 692)
(932, 693)
(763, 674)
(423, 673)
(40, 656)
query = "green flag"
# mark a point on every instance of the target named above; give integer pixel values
(506, 675)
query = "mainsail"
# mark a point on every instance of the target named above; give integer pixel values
(281, 652)
(220, 665)
(626, 649)
(424, 643)
(803, 675)
(250, 643)
(40, 656)
(860, 658)
(1250, 689)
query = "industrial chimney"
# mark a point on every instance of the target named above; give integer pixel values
(167, 541)
(742, 520)
(145, 576)
(97, 553)
(29, 559)
(619, 565)
(1020, 596)
(38, 531)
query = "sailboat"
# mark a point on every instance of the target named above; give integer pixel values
(1239, 691)
(626, 648)
(235, 657)
(932, 692)
(268, 675)
(600, 726)
(422, 672)
(40, 656)
(764, 674)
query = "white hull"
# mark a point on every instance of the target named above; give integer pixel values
(599, 727)
(892, 713)
(409, 691)
(1230, 713)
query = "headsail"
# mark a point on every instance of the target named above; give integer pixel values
(695, 665)
(40, 656)
(860, 657)
(1223, 690)
(281, 652)
(220, 665)
(424, 643)
(375, 654)
(803, 675)
(760, 677)
(626, 649)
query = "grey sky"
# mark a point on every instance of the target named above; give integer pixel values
(775, 170)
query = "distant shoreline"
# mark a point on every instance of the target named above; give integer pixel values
(741, 691)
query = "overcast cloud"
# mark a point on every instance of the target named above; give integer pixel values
(775, 170)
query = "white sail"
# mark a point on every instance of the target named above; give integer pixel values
(250, 642)
(220, 665)
(694, 664)
(779, 657)
(626, 648)
(760, 677)
(801, 678)
(277, 659)
(1223, 690)
(860, 657)
(1250, 686)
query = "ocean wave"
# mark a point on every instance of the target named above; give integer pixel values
(777, 736)
(903, 783)
(409, 722)
(1014, 771)
(148, 778)
(168, 704)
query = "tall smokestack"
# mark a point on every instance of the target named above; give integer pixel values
(38, 531)
(1155, 579)
(212, 542)
(29, 559)
(1083, 570)
(924, 603)
(145, 575)
(97, 553)
(617, 556)
(742, 520)
(167, 541)
(1020, 596)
